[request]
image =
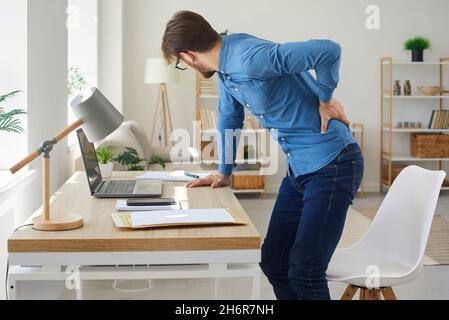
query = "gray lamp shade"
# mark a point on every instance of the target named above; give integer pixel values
(100, 118)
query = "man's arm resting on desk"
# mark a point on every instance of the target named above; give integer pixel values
(215, 181)
(231, 119)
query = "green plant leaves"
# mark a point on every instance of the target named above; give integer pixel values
(105, 154)
(8, 122)
(76, 81)
(158, 160)
(417, 43)
(9, 95)
(130, 159)
(10, 125)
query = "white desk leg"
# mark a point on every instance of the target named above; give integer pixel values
(11, 288)
(79, 290)
(216, 289)
(218, 270)
(256, 286)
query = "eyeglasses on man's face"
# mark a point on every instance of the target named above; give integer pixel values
(179, 64)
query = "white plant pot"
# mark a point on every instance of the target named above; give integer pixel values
(106, 170)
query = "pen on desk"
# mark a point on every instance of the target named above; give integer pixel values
(191, 175)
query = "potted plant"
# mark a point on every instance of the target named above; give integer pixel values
(105, 155)
(131, 160)
(8, 120)
(417, 45)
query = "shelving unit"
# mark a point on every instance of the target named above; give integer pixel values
(243, 181)
(414, 97)
(388, 155)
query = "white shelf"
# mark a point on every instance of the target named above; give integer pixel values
(209, 96)
(428, 63)
(411, 130)
(408, 158)
(415, 97)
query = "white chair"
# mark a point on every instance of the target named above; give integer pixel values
(392, 250)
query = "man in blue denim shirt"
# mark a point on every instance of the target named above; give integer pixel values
(325, 165)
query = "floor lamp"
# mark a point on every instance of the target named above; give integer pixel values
(99, 118)
(158, 72)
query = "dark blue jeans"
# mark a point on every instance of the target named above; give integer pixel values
(306, 226)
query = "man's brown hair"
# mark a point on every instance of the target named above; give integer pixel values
(187, 31)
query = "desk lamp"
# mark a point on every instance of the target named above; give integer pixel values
(99, 118)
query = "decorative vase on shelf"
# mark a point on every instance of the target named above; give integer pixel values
(106, 170)
(397, 88)
(418, 55)
(407, 88)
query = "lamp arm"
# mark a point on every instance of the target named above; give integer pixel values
(64, 133)
(59, 136)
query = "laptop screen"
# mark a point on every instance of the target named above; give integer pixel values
(90, 161)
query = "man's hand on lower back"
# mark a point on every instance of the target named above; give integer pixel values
(214, 181)
(332, 110)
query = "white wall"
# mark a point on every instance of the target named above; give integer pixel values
(110, 50)
(289, 20)
(47, 86)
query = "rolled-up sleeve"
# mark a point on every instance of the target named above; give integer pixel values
(323, 56)
(230, 123)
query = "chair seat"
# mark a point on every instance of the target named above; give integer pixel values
(359, 269)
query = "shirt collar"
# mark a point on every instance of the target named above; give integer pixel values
(223, 54)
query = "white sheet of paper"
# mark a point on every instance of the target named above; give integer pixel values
(122, 206)
(172, 176)
(139, 219)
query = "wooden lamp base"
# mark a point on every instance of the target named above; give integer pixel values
(67, 222)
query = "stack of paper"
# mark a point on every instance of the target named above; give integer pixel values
(122, 206)
(174, 176)
(164, 218)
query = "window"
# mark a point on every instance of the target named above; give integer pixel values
(82, 50)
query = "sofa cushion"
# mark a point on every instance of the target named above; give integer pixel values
(119, 140)
(141, 136)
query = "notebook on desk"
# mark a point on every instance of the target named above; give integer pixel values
(173, 218)
(173, 176)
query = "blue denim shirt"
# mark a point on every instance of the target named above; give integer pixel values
(273, 82)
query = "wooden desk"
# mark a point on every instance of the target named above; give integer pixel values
(100, 243)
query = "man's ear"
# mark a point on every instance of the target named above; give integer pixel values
(188, 57)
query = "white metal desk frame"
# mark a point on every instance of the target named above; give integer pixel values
(135, 265)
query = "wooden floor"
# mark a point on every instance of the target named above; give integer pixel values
(433, 283)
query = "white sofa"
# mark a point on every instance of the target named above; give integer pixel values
(131, 134)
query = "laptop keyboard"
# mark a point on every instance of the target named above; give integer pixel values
(118, 187)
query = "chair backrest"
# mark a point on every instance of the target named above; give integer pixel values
(402, 225)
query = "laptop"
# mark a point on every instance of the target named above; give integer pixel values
(100, 188)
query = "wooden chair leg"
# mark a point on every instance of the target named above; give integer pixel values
(388, 293)
(376, 294)
(372, 294)
(349, 292)
(369, 294)
(363, 294)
